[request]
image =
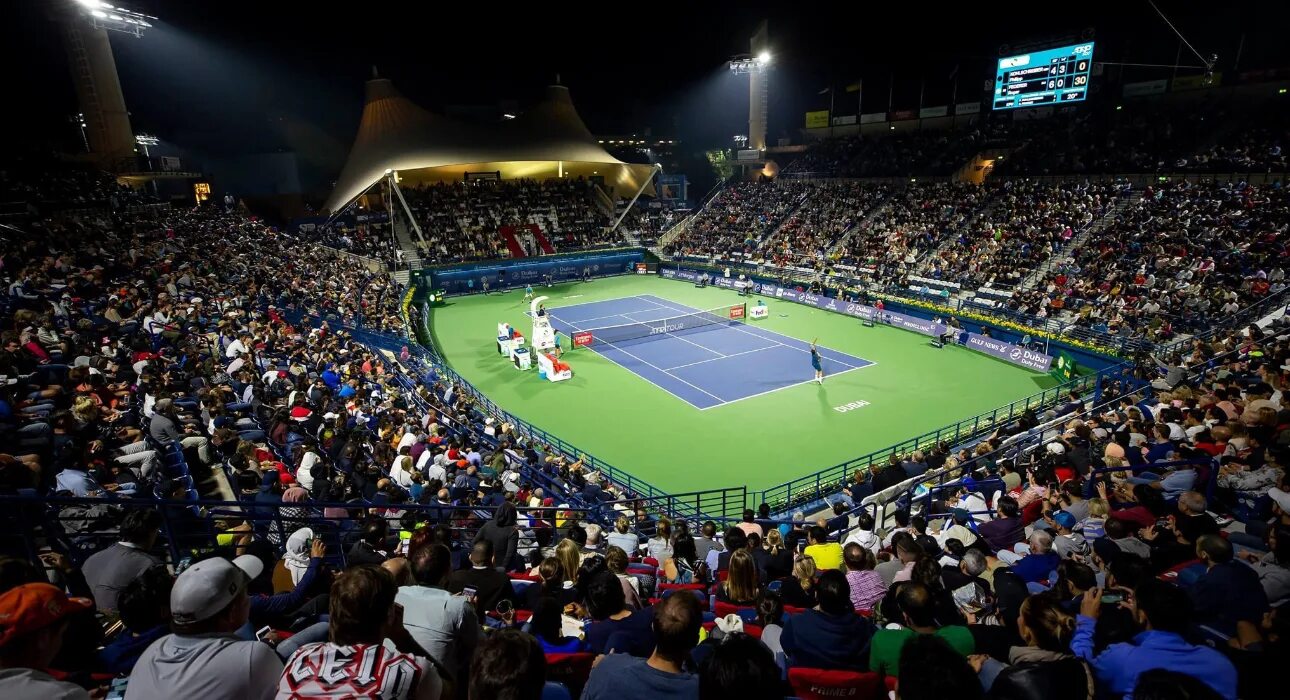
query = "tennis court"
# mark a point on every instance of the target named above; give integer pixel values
(703, 357)
(792, 428)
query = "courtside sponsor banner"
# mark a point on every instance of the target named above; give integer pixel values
(582, 339)
(737, 311)
(1005, 351)
(1008, 352)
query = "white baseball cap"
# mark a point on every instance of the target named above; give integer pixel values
(207, 587)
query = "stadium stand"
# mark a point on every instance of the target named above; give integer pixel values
(223, 439)
(486, 219)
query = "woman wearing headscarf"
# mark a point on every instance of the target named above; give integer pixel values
(291, 515)
(297, 556)
(502, 533)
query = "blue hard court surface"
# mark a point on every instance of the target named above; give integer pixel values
(707, 366)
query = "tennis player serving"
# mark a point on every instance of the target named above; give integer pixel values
(815, 361)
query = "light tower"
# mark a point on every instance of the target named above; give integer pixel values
(756, 65)
(106, 123)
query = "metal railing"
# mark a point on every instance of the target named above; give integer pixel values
(828, 481)
(78, 527)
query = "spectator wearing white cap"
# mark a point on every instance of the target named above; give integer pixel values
(203, 658)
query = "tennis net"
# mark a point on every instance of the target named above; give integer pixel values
(719, 316)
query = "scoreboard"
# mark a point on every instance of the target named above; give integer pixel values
(1045, 77)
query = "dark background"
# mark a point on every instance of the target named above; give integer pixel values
(236, 77)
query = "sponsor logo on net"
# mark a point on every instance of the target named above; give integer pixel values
(666, 328)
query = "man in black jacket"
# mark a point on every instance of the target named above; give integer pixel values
(370, 548)
(490, 585)
(501, 533)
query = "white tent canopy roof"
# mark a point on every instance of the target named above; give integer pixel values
(550, 138)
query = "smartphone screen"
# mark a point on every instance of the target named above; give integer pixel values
(468, 592)
(263, 632)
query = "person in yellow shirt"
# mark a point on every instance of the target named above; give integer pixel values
(827, 555)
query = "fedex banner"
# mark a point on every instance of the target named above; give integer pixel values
(1005, 351)
(1008, 352)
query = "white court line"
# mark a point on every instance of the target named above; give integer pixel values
(789, 386)
(745, 331)
(659, 369)
(673, 335)
(723, 357)
(629, 369)
(626, 314)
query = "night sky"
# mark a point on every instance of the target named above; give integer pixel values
(247, 77)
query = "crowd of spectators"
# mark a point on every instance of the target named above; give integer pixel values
(1201, 137)
(366, 241)
(45, 182)
(923, 152)
(462, 221)
(828, 213)
(1026, 224)
(1180, 254)
(378, 533)
(915, 222)
(648, 223)
(738, 217)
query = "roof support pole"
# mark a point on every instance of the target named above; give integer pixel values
(394, 187)
(657, 169)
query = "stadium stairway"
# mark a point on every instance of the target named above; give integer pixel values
(768, 234)
(543, 242)
(411, 254)
(1076, 242)
(861, 225)
(512, 242)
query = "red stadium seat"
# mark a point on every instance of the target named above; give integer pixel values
(681, 587)
(570, 669)
(790, 610)
(722, 609)
(819, 684)
(650, 561)
(517, 576)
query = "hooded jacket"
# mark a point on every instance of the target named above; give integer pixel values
(502, 533)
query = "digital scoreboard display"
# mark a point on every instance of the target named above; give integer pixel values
(1045, 77)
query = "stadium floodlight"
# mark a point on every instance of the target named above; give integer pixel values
(746, 63)
(508, 116)
(102, 15)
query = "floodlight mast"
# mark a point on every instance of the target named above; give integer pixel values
(102, 15)
(106, 122)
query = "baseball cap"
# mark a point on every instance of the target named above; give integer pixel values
(1064, 519)
(34, 606)
(207, 587)
(1056, 448)
(1281, 498)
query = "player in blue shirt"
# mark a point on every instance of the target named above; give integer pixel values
(815, 361)
(528, 292)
